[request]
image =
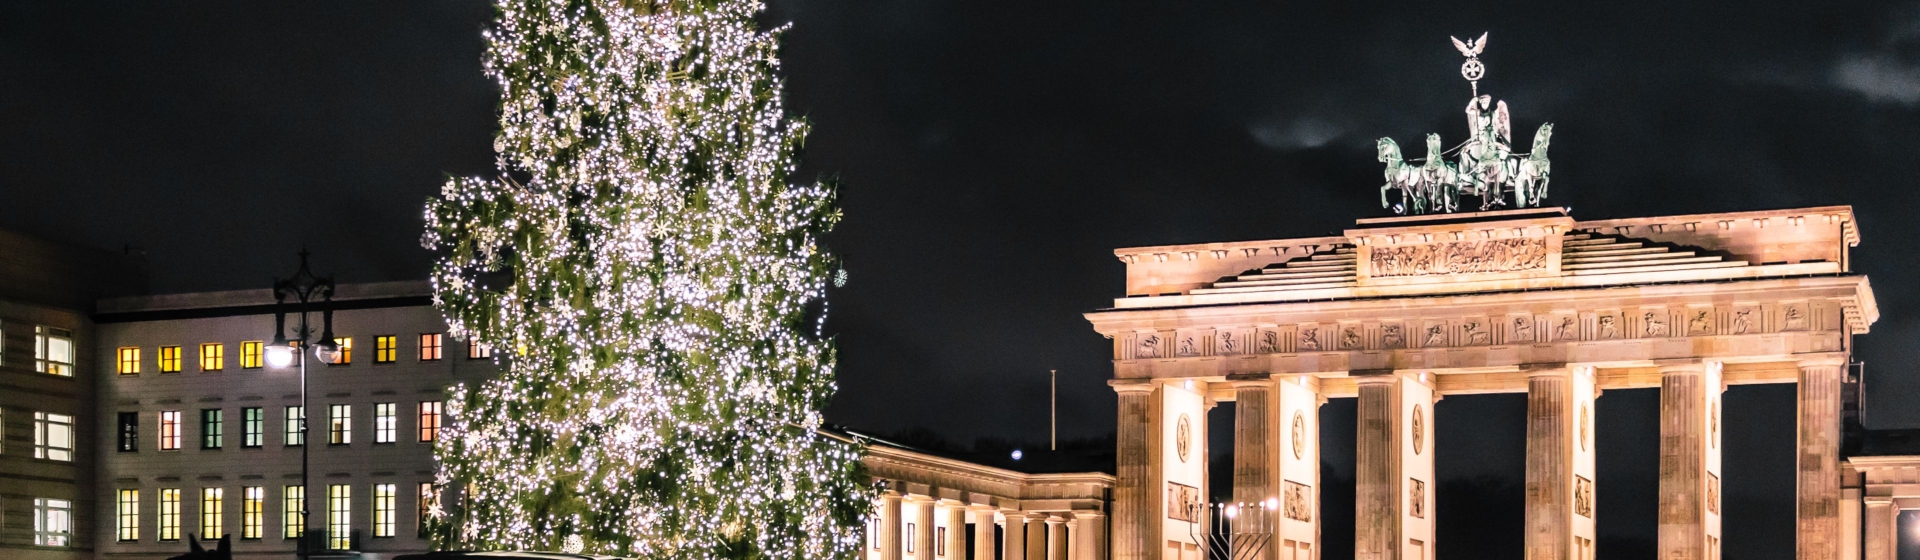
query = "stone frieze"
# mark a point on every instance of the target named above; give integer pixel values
(1459, 257)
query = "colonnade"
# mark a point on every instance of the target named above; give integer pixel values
(1394, 460)
(909, 526)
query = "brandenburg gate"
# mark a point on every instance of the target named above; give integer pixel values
(1399, 312)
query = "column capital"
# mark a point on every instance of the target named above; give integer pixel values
(1251, 380)
(1877, 500)
(1124, 386)
(1558, 370)
(1685, 368)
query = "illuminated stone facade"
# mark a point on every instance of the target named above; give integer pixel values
(1401, 312)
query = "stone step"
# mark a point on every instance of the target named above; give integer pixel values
(1664, 261)
(1288, 280)
(1347, 256)
(1315, 272)
(1582, 259)
(1624, 249)
(1311, 265)
(1659, 268)
(1590, 242)
(1243, 289)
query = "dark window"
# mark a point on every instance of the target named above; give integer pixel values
(129, 431)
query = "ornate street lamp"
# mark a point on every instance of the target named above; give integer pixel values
(309, 293)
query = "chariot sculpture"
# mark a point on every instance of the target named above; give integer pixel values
(1485, 165)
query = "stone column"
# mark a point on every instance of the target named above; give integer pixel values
(891, 528)
(923, 530)
(1393, 466)
(1014, 535)
(1056, 538)
(1881, 520)
(1253, 438)
(1136, 493)
(1818, 482)
(1559, 493)
(1090, 532)
(1037, 538)
(983, 523)
(955, 521)
(1689, 460)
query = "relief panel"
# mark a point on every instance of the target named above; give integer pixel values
(1458, 257)
(1299, 502)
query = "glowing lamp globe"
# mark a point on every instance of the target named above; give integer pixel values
(280, 355)
(327, 352)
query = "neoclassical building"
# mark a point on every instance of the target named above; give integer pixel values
(1401, 312)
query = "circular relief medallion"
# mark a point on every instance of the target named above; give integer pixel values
(1182, 437)
(1299, 435)
(1419, 430)
(1585, 425)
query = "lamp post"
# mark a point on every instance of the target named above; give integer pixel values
(309, 293)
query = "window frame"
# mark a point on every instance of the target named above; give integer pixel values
(126, 513)
(253, 354)
(213, 430)
(213, 510)
(127, 360)
(478, 351)
(127, 440)
(339, 516)
(344, 357)
(253, 427)
(168, 359)
(293, 503)
(45, 531)
(293, 428)
(253, 512)
(44, 425)
(386, 425)
(384, 508)
(432, 346)
(430, 421)
(43, 360)
(386, 349)
(218, 358)
(170, 431)
(340, 424)
(169, 526)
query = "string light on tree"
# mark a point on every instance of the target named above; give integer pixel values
(655, 286)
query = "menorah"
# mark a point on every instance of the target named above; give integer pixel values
(1238, 531)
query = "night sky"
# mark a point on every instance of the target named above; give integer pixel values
(993, 153)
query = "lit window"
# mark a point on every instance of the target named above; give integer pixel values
(383, 510)
(345, 355)
(127, 515)
(340, 424)
(170, 430)
(169, 359)
(53, 351)
(429, 505)
(429, 421)
(478, 351)
(213, 356)
(386, 349)
(52, 522)
(253, 426)
(430, 347)
(296, 424)
(169, 514)
(385, 426)
(212, 510)
(129, 440)
(212, 428)
(293, 503)
(129, 362)
(52, 436)
(253, 503)
(339, 516)
(252, 354)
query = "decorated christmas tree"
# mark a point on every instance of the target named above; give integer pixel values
(653, 284)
